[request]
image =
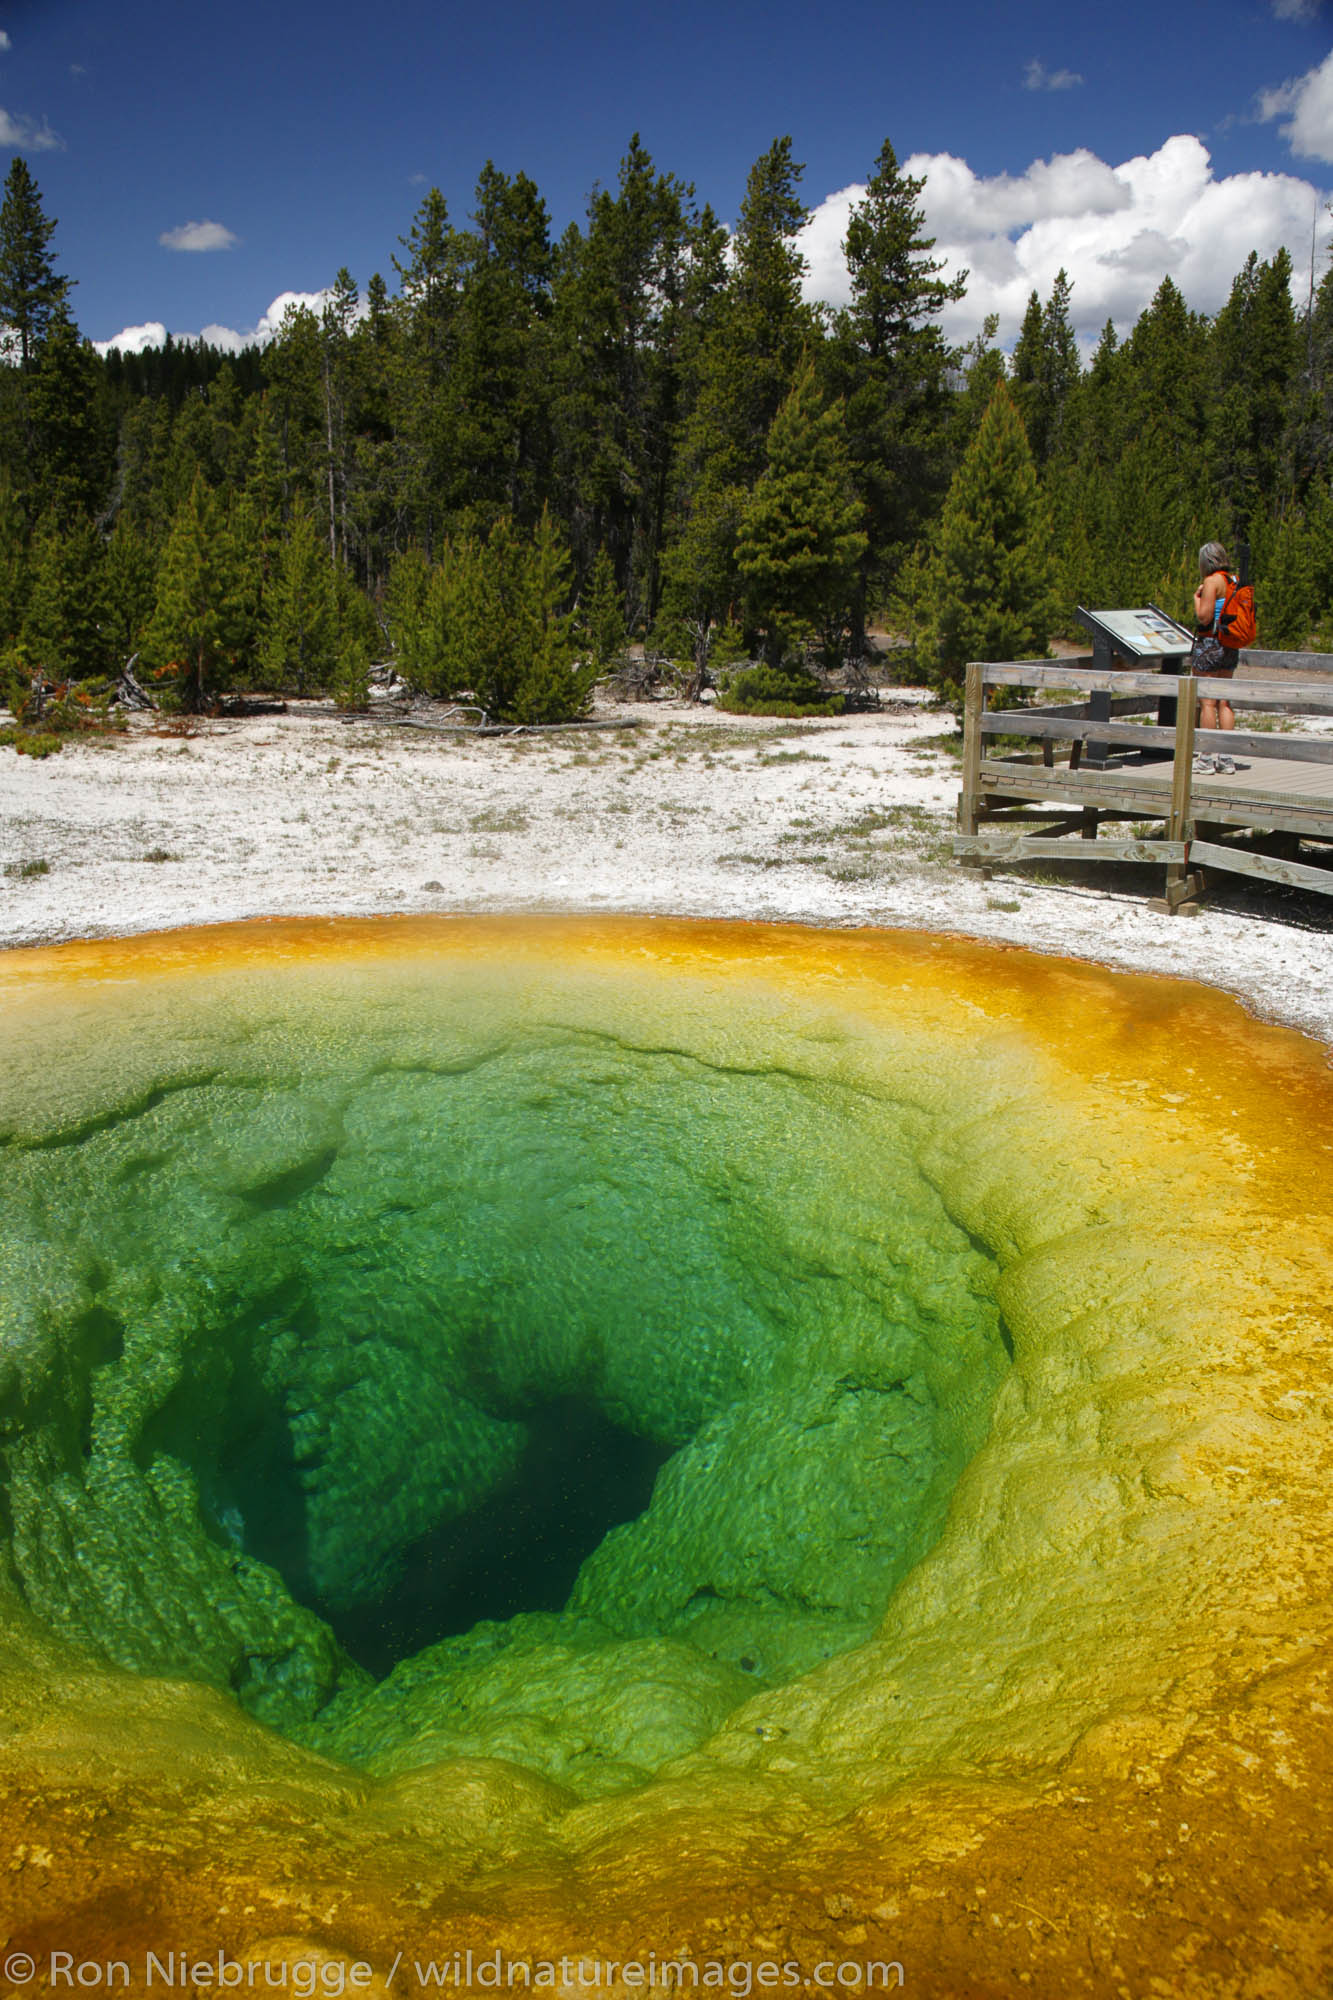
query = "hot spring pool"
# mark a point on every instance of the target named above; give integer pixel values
(552, 1412)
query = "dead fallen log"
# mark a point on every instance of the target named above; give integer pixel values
(497, 728)
(129, 692)
(234, 705)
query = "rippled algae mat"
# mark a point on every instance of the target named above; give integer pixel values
(646, 1440)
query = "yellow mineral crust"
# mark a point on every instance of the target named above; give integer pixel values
(1088, 1750)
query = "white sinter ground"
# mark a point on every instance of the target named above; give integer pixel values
(692, 812)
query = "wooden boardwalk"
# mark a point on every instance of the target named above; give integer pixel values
(1127, 748)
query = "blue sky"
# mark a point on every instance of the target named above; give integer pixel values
(1148, 138)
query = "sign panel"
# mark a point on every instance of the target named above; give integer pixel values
(1146, 633)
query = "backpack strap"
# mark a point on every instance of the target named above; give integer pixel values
(1224, 597)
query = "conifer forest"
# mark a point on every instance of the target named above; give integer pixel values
(508, 455)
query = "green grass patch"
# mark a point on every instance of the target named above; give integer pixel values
(514, 819)
(32, 742)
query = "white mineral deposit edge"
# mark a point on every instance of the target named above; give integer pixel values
(692, 813)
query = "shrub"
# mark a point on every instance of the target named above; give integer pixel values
(786, 690)
(32, 742)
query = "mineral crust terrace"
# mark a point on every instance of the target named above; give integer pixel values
(1015, 1669)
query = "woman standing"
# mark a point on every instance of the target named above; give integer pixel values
(1209, 655)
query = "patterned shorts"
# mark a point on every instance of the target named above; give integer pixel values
(1209, 656)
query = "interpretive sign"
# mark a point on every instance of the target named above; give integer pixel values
(1145, 634)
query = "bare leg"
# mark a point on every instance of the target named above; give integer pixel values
(1226, 715)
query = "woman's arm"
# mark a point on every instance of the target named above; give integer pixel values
(1205, 598)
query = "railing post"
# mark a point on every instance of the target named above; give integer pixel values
(1180, 884)
(974, 701)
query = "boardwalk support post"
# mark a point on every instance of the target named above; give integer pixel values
(1181, 883)
(969, 801)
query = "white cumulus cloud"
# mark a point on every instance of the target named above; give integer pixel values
(1295, 10)
(1307, 105)
(1116, 230)
(5, 44)
(231, 339)
(16, 130)
(134, 339)
(199, 236)
(1037, 77)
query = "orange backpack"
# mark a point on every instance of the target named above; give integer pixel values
(1234, 620)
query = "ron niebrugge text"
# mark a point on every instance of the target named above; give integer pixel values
(328, 1974)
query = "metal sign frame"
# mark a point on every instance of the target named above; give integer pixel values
(1135, 635)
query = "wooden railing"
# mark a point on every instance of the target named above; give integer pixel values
(1103, 792)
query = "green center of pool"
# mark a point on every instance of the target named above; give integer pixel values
(508, 1388)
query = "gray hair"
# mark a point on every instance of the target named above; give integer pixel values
(1212, 556)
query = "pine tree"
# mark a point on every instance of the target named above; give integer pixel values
(404, 610)
(1136, 463)
(64, 626)
(602, 614)
(495, 623)
(351, 675)
(357, 637)
(131, 573)
(982, 590)
(432, 483)
(1287, 556)
(337, 325)
(889, 363)
(31, 289)
(1045, 369)
(497, 394)
(144, 497)
(14, 587)
(699, 571)
(801, 538)
(197, 627)
(73, 450)
(294, 367)
(299, 636)
(619, 307)
(551, 685)
(982, 366)
(760, 331)
(454, 622)
(1254, 353)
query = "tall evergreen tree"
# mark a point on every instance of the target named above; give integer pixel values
(337, 324)
(620, 305)
(982, 588)
(73, 447)
(1046, 369)
(551, 685)
(130, 589)
(198, 621)
(64, 625)
(404, 612)
(602, 613)
(759, 328)
(13, 560)
(299, 634)
(889, 362)
(1136, 470)
(1254, 353)
(497, 389)
(801, 538)
(31, 289)
(294, 367)
(760, 331)
(431, 479)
